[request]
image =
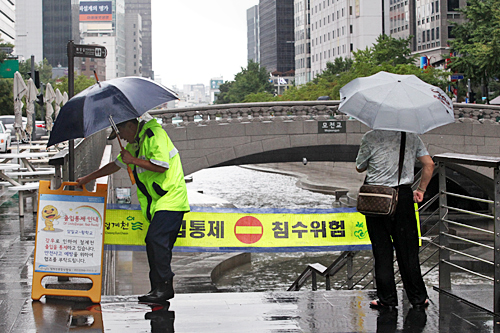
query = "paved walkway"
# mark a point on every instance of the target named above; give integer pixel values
(304, 311)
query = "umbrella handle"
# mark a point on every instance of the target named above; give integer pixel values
(129, 169)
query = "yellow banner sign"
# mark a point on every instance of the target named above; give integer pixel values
(251, 230)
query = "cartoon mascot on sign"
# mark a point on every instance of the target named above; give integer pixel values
(49, 214)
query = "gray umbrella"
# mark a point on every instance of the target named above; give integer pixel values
(396, 102)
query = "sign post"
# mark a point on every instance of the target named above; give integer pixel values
(83, 51)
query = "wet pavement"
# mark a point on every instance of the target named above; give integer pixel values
(273, 311)
(303, 311)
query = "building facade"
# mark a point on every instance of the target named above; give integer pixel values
(29, 30)
(253, 46)
(7, 21)
(108, 31)
(60, 24)
(133, 36)
(340, 27)
(143, 8)
(428, 21)
(277, 51)
(302, 26)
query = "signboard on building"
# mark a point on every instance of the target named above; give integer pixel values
(92, 11)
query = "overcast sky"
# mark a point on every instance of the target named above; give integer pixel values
(196, 40)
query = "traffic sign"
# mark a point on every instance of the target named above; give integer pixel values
(90, 51)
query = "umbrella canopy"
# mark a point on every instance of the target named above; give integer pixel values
(31, 97)
(123, 98)
(58, 100)
(396, 102)
(20, 89)
(50, 96)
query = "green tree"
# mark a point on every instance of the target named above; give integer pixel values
(6, 96)
(340, 65)
(82, 82)
(251, 80)
(477, 42)
(6, 85)
(44, 68)
(387, 54)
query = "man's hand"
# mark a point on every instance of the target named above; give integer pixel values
(418, 196)
(127, 158)
(82, 181)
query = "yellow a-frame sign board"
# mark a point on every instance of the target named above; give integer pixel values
(69, 238)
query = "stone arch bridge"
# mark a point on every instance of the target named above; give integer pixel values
(235, 134)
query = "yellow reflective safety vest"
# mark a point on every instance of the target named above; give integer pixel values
(157, 191)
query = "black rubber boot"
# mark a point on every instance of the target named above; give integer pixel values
(162, 293)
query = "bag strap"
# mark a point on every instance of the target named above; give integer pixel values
(401, 155)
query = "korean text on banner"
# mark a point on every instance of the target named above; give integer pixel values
(255, 230)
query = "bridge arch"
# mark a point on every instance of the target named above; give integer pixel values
(234, 134)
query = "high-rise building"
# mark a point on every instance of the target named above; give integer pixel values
(253, 34)
(428, 21)
(60, 24)
(340, 27)
(277, 53)
(7, 20)
(133, 36)
(29, 30)
(143, 7)
(106, 28)
(302, 41)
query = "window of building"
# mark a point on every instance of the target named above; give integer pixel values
(352, 47)
(350, 29)
(432, 34)
(453, 5)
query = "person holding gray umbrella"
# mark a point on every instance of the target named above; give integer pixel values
(398, 108)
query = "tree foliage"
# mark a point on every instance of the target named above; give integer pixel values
(387, 54)
(82, 82)
(43, 67)
(476, 41)
(251, 80)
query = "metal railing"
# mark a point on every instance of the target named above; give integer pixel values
(451, 229)
(363, 277)
(461, 219)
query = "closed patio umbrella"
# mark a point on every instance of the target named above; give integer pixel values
(50, 96)
(58, 100)
(20, 89)
(31, 97)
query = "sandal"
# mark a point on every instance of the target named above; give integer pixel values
(378, 305)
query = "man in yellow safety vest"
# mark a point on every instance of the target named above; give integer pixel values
(162, 194)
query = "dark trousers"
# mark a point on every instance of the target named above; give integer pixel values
(160, 239)
(399, 232)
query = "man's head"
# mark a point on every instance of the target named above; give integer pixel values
(127, 130)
